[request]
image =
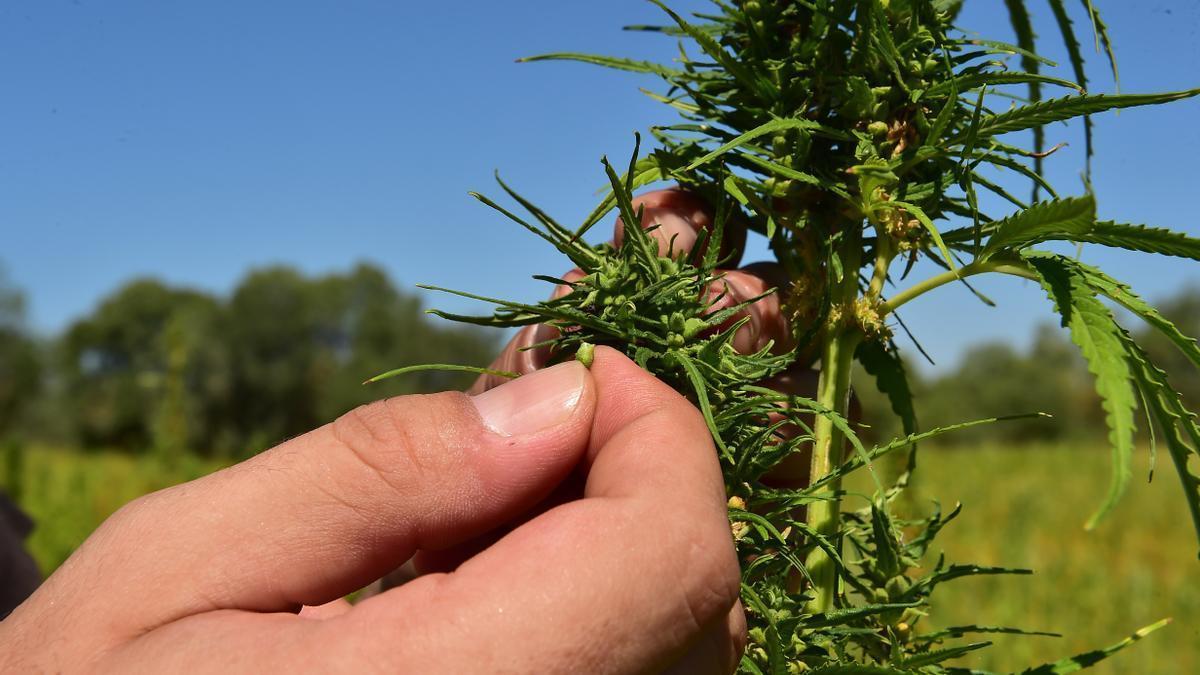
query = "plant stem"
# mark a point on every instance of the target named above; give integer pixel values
(944, 278)
(833, 392)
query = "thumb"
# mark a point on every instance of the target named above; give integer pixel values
(326, 513)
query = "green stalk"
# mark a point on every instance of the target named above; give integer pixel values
(833, 392)
(923, 287)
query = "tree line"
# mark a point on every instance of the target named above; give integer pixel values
(158, 368)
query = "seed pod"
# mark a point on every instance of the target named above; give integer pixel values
(586, 354)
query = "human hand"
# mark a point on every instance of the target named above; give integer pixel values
(637, 575)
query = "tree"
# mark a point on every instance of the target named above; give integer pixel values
(118, 366)
(20, 362)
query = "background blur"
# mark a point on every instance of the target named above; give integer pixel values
(213, 215)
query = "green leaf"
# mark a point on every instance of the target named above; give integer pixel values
(647, 170)
(856, 670)
(1076, 58)
(1142, 238)
(887, 552)
(887, 368)
(1018, 16)
(1177, 423)
(762, 130)
(855, 462)
(441, 367)
(1124, 295)
(919, 214)
(1056, 219)
(939, 655)
(1100, 30)
(964, 83)
(1088, 659)
(960, 631)
(608, 62)
(1059, 109)
(841, 616)
(1101, 341)
(748, 77)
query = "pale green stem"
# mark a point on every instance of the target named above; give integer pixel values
(837, 356)
(883, 260)
(833, 392)
(944, 278)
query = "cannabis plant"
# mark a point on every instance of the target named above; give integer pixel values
(857, 137)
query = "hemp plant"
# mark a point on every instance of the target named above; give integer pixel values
(856, 136)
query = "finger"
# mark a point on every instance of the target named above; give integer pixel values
(625, 579)
(519, 355)
(324, 514)
(719, 649)
(767, 323)
(449, 559)
(678, 217)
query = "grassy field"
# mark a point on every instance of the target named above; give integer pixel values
(1024, 508)
(70, 493)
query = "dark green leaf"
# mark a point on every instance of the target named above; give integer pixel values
(1057, 219)
(1101, 341)
(1059, 109)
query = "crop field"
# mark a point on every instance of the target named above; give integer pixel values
(1143, 558)
(1138, 566)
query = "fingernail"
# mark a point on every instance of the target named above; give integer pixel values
(533, 402)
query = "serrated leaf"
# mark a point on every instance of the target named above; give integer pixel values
(960, 631)
(1100, 339)
(1059, 109)
(1124, 295)
(1142, 238)
(964, 83)
(940, 655)
(856, 670)
(1100, 30)
(1089, 659)
(1177, 423)
(887, 553)
(886, 367)
(1019, 18)
(1076, 59)
(1055, 219)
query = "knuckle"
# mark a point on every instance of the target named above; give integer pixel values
(394, 441)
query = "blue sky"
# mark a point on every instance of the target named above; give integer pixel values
(193, 141)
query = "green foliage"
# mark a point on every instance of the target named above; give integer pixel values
(179, 370)
(852, 134)
(20, 362)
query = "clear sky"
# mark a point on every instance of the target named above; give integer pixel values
(193, 141)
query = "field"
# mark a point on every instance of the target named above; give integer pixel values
(1024, 508)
